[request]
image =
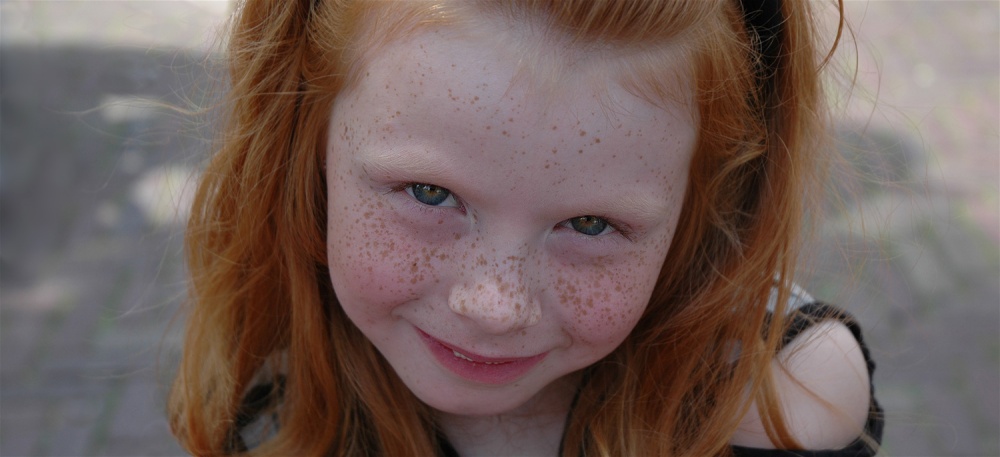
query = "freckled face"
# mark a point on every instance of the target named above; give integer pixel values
(489, 239)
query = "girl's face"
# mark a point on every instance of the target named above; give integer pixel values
(490, 237)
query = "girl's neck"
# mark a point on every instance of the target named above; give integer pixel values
(534, 429)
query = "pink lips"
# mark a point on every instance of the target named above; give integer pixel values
(477, 368)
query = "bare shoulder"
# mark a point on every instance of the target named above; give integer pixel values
(822, 381)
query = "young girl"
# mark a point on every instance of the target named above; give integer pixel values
(518, 227)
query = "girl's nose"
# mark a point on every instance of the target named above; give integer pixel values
(497, 298)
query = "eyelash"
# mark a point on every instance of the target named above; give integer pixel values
(407, 188)
(617, 227)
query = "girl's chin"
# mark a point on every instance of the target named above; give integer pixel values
(556, 396)
(475, 405)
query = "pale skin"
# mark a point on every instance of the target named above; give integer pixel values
(822, 364)
(458, 193)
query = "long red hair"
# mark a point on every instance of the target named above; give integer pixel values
(261, 301)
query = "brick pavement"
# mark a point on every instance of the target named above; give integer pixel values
(91, 267)
(91, 272)
(926, 269)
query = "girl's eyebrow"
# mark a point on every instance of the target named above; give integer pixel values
(643, 207)
(384, 163)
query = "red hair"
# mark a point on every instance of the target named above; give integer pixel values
(262, 305)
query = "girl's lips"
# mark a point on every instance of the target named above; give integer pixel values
(478, 368)
(471, 356)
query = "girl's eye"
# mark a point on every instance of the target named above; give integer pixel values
(431, 195)
(590, 225)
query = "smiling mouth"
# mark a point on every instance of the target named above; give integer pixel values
(477, 368)
(464, 357)
(469, 356)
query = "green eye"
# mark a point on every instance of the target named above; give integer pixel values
(431, 195)
(589, 225)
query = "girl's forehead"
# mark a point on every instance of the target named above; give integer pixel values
(543, 59)
(438, 103)
(480, 64)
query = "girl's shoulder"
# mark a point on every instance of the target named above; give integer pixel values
(823, 376)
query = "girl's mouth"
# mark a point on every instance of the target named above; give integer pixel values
(464, 357)
(477, 368)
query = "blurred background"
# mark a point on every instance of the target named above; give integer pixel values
(95, 176)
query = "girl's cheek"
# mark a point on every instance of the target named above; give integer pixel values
(602, 308)
(373, 259)
(604, 304)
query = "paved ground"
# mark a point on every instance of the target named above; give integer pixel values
(91, 273)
